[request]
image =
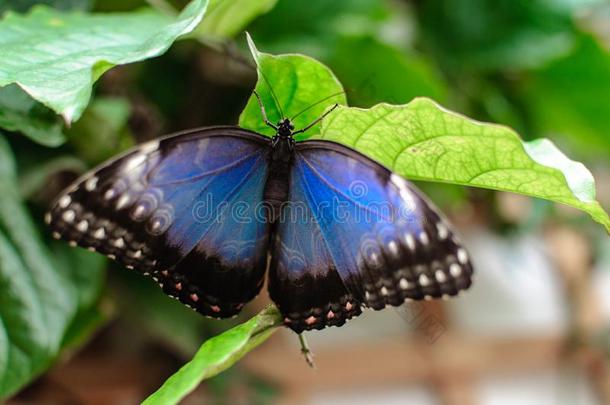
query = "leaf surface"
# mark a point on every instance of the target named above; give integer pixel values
(216, 355)
(423, 141)
(289, 86)
(40, 295)
(57, 56)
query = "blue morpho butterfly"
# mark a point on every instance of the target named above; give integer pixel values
(206, 212)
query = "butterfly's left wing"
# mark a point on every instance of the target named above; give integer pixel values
(181, 209)
(354, 233)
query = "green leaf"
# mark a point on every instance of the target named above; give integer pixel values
(85, 274)
(84, 324)
(313, 26)
(20, 113)
(71, 263)
(372, 32)
(216, 355)
(290, 85)
(36, 177)
(102, 131)
(479, 35)
(386, 74)
(570, 97)
(38, 298)
(158, 316)
(423, 141)
(24, 5)
(57, 56)
(226, 18)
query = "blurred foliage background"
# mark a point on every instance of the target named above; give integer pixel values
(539, 66)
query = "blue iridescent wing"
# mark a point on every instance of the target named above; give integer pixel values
(180, 209)
(353, 234)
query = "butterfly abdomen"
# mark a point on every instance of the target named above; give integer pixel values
(276, 193)
(278, 182)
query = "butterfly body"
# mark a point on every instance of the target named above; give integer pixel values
(208, 213)
(280, 164)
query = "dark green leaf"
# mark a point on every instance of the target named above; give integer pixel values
(39, 298)
(571, 97)
(86, 274)
(384, 72)
(20, 113)
(368, 33)
(148, 309)
(83, 269)
(36, 307)
(226, 18)
(102, 131)
(474, 35)
(85, 323)
(36, 177)
(313, 26)
(24, 5)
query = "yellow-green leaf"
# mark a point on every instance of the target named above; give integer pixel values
(216, 355)
(423, 141)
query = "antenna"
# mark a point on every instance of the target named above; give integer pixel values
(316, 121)
(317, 103)
(275, 100)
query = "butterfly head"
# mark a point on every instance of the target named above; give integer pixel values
(283, 142)
(285, 128)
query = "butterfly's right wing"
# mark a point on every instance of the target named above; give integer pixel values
(181, 209)
(353, 234)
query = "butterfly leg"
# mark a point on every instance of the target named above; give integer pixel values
(306, 351)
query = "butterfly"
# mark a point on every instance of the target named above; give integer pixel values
(208, 213)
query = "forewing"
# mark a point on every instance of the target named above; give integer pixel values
(165, 209)
(372, 230)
